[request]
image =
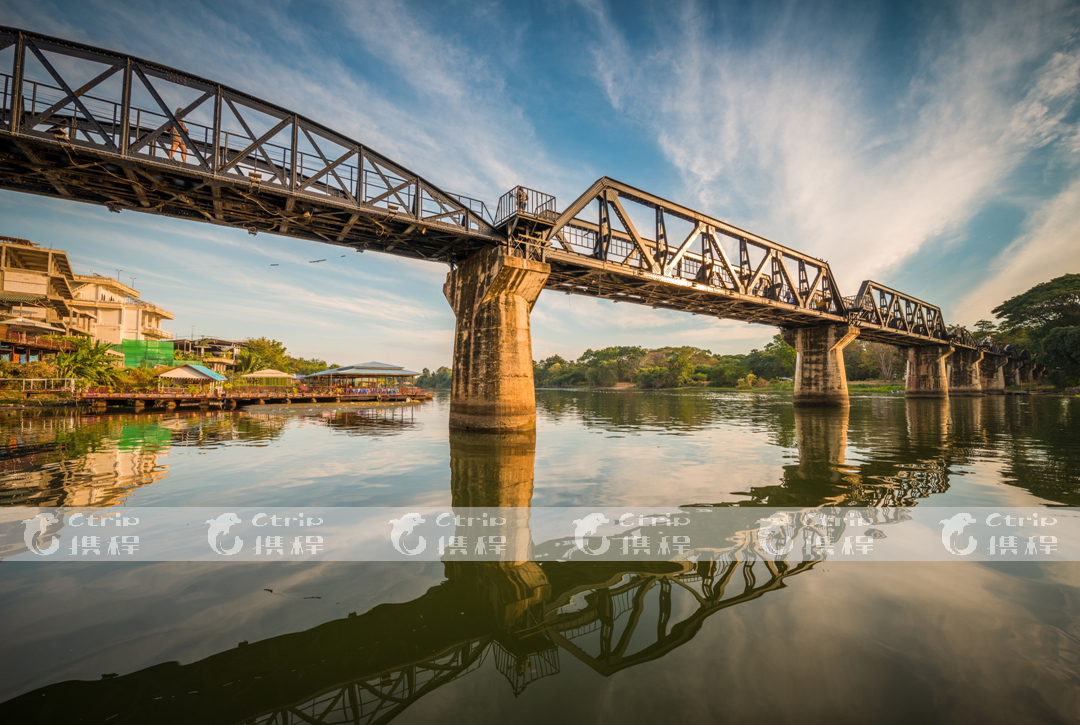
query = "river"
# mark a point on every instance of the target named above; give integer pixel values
(651, 642)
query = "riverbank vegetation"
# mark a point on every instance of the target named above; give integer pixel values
(1045, 320)
(675, 367)
(261, 353)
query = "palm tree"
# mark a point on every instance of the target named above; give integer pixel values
(90, 361)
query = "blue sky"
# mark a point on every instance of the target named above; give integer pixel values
(932, 146)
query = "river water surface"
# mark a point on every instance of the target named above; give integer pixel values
(652, 642)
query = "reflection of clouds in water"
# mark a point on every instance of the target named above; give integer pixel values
(889, 643)
(646, 470)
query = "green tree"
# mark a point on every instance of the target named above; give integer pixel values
(1061, 350)
(727, 371)
(1045, 306)
(90, 361)
(776, 360)
(888, 358)
(260, 353)
(680, 367)
(651, 376)
(441, 379)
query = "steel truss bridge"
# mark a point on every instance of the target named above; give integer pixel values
(91, 125)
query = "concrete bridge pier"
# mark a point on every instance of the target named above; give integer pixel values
(926, 375)
(964, 375)
(1023, 373)
(492, 295)
(1010, 372)
(820, 378)
(992, 372)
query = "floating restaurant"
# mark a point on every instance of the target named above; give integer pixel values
(364, 378)
(269, 377)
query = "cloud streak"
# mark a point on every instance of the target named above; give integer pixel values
(790, 134)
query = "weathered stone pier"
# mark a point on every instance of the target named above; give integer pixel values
(492, 295)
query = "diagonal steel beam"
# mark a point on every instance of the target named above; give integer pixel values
(251, 135)
(330, 167)
(150, 136)
(64, 101)
(677, 257)
(257, 144)
(179, 127)
(628, 225)
(75, 99)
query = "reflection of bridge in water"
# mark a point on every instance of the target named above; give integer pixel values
(525, 616)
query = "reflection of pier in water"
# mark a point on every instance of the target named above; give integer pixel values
(926, 440)
(368, 668)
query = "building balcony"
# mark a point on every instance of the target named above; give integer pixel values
(157, 333)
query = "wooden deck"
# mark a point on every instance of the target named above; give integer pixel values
(236, 398)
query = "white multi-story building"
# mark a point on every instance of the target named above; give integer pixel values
(118, 312)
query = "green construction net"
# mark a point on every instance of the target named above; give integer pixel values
(145, 353)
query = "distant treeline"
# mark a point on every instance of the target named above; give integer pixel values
(675, 367)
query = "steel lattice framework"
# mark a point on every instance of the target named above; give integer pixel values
(92, 125)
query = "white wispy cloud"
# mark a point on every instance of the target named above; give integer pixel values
(789, 133)
(1049, 248)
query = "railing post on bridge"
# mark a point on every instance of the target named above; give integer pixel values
(820, 377)
(926, 374)
(492, 295)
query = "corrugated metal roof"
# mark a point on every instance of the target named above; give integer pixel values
(373, 364)
(19, 297)
(358, 371)
(192, 372)
(208, 371)
(268, 373)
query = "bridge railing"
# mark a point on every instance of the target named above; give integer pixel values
(523, 200)
(476, 205)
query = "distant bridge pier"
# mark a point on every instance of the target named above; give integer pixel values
(964, 373)
(492, 295)
(992, 372)
(926, 374)
(1010, 371)
(820, 377)
(1024, 373)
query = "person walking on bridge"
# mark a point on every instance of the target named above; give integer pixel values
(178, 138)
